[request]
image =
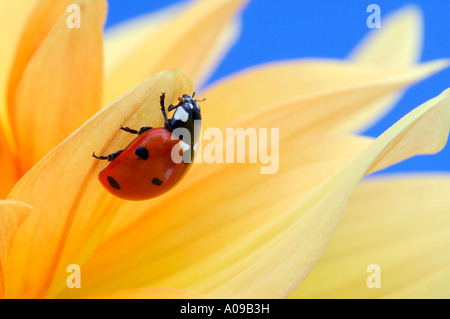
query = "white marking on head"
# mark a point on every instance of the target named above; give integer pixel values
(181, 114)
(198, 106)
(191, 106)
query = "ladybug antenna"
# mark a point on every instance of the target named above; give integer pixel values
(193, 95)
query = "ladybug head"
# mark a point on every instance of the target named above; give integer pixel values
(189, 106)
(186, 98)
(186, 116)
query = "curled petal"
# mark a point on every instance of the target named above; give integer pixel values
(265, 250)
(279, 266)
(186, 235)
(246, 255)
(72, 210)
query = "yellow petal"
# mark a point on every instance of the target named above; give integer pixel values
(190, 43)
(60, 87)
(126, 37)
(219, 47)
(72, 209)
(9, 170)
(245, 254)
(289, 81)
(193, 222)
(12, 214)
(401, 32)
(44, 15)
(400, 224)
(151, 293)
(13, 17)
(308, 97)
(279, 266)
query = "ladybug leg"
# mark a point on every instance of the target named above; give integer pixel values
(163, 110)
(129, 130)
(142, 130)
(110, 157)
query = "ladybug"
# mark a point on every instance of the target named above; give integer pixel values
(158, 158)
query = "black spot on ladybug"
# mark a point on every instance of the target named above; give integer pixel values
(142, 152)
(157, 181)
(113, 183)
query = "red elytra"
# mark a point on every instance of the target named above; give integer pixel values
(145, 169)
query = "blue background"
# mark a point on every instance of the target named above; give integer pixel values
(282, 29)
